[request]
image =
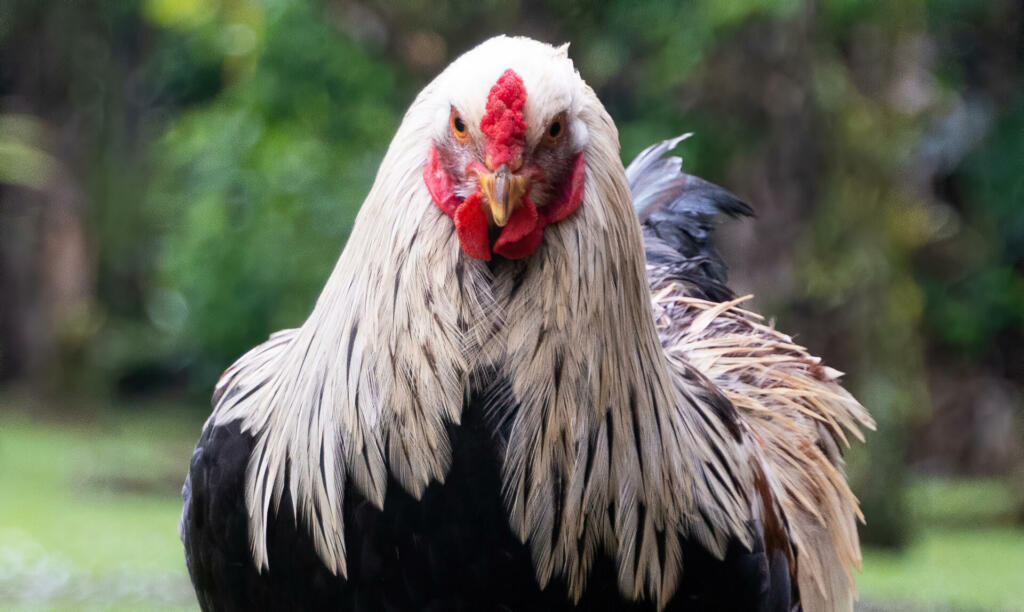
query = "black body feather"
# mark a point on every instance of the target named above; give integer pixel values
(450, 550)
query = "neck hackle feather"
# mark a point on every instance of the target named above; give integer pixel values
(637, 417)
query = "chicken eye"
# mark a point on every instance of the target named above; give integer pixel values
(459, 127)
(556, 129)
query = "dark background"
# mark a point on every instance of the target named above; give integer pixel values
(177, 178)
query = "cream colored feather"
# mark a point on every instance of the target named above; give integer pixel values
(798, 413)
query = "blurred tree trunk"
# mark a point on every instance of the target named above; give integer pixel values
(46, 275)
(53, 117)
(20, 323)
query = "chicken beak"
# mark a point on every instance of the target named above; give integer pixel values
(504, 192)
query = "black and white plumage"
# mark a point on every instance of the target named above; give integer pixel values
(576, 428)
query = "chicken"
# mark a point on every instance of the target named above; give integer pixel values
(517, 391)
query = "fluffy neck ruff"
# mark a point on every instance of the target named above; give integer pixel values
(610, 448)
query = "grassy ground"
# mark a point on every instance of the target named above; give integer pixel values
(90, 513)
(949, 569)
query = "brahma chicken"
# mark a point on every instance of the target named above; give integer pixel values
(526, 386)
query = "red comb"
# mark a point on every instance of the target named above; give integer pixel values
(503, 123)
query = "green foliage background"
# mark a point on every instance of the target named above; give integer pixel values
(215, 154)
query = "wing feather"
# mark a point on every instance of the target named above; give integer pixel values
(788, 402)
(678, 212)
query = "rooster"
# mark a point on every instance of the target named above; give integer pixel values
(526, 386)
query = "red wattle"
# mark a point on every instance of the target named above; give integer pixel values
(571, 194)
(471, 228)
(522, 247)
(439, 183)
(522, 222)
(522, 234)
